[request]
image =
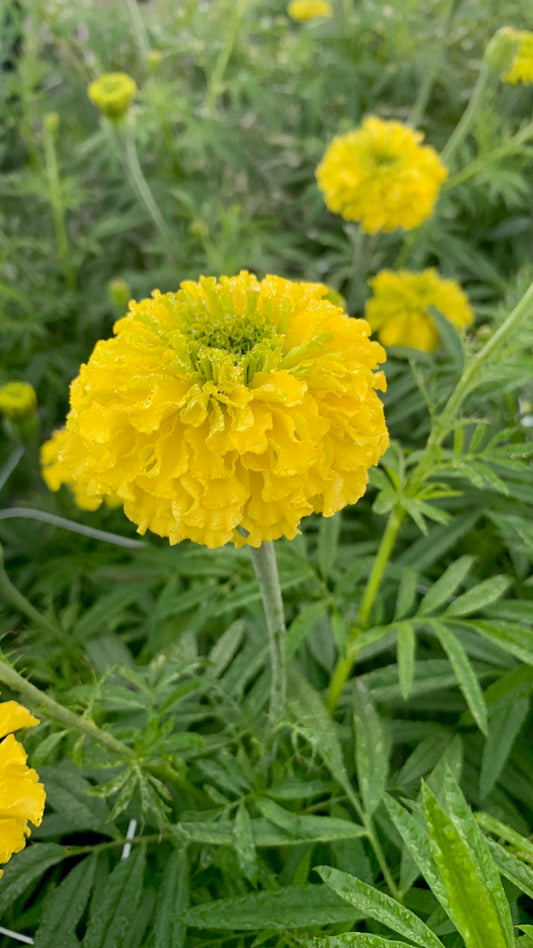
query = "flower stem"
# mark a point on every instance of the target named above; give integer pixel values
(484, 79)
(144, 193)
(42, 516)
(432, 68)
(139, 30)
(42, 702)
(266, 570)
(55, 193)
(345, 662)
(214, 85)
(22, 605)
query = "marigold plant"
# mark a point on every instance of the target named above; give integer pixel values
(381, 176)
(302, 10)
(112, 93)
(226, 410)
(521, 68)
(398, 310)
(21, 795)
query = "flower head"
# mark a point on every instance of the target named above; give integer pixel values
(398, 309)
(17, 400)
(521, 68)
(302, 10)
(21, 795)
(381, 175)
(234, 404)
(112, 93)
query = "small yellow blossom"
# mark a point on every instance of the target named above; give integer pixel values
(381, 176)
(398, 310)
(21, 795)
(229, 408)
(17, 400)
(302, 10)
(521, 69)
(112, 93)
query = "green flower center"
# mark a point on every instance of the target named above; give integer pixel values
(235, 335)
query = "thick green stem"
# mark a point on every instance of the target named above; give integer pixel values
(55, 193)
(42, 703)
(266, 570)
(26, 513)
(346, 662)
(214, 85)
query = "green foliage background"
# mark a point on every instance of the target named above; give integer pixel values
(344, 829)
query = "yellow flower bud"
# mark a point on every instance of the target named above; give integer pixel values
(112, 93)
(119, 292)
(18, 400)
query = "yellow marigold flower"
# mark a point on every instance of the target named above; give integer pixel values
(21, 795)
(381, 176)
(112, 93)
(18, 400)
(521, 69)
(239, 405)
(302, 10)
(398, 309)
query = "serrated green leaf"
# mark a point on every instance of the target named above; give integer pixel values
(354, 938)
(416, 840)
(243, 841)
(465, 674)
(505, 722)
(172, 900)
(405, 654)
(70, 794)
(406, 595)
(445, 587)
(225, 647)
(518, 872)
(287, 908)
(371, 750)
(470, 906)
(450, 338)
(313, 828)
(26, 868)
(301, 626)
(384, 909)
(66, 906)
(110, 919)
(479, 597)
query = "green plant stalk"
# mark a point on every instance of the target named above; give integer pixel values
(139, 30)
(27, 513)
(55, 192)
(445, 418)
(22, 605)
(345, 663)
(266, 570)
(144, 193)
(433, 67)
(479, 164)
(215, 79)
(52, 709)
(485, 78)
(438, 432)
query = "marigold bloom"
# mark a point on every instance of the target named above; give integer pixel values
(55, 473)
(234, 404)
(381, 176)
(21, 795)
(521, 69)
(17, 400)
(302, 10)
(398, 309)
(112, 93)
